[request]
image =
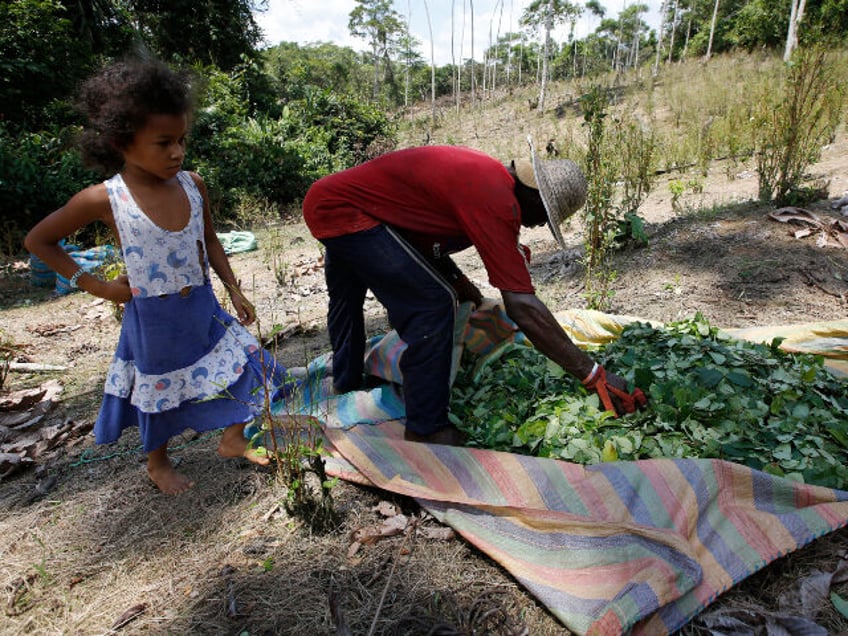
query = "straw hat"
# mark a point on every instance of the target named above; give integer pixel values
(560, 183)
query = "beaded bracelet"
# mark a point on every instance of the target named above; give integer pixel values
(72, 281)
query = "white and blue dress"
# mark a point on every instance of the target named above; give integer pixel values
(178, 348)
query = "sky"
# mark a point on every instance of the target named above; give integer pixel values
(310, 21)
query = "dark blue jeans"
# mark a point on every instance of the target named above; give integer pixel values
(420, 304)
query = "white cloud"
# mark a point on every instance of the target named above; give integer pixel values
(305, 21)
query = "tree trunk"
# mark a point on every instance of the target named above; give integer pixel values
(496, 48)
(686, 42)
(548, 26)
(473, 79)
(673, 31)
(520, 58)
(573, 48)
(663, 12)
(432, 62)
(509, 48)
(458, 67)
(634, 60)
(712, 31)
(376, 88)
(408, 54)
(795, 16)
(616, 59)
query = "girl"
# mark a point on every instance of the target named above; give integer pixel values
(178, 348)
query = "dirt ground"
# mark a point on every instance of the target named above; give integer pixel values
(89, 546)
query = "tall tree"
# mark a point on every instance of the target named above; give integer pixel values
(624, 36)
(795, 16)
(376, 22)
(675, 22)
(634, 27)
(453, 56)
(663, 14)
(597, 10)
(473, 92)
(408, 45)
(218, 32)
(506, 54)
(46, 48)
(545, 15)
(432, 62)
(297, 70)
(712, 30)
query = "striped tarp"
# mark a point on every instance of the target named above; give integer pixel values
(610, 548)
(613, 548)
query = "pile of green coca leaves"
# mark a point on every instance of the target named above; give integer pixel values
(709, 396)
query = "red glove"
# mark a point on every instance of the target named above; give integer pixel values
(597, 381)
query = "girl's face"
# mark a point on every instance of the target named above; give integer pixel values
(158, 147)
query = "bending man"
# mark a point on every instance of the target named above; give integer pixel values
(390, 224)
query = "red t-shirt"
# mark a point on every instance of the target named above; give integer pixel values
(441, 198)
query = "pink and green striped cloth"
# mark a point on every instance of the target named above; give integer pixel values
(614, 548)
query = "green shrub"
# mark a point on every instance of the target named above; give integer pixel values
(793, 122)
(245, 159)
(252, 158)
(349, 126)
(39, 172)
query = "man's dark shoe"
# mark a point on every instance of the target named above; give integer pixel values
(449, 436)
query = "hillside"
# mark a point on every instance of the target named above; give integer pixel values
(87, 538)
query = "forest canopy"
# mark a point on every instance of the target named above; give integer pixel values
(274, 119)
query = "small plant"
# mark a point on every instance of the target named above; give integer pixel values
(631, 230)
(598, 211)
(276, 260)
(621, 153)
(792, 125)
(635, 145)
(292, 440)
(673, 286)
(706, 147)
(677, 188)
(295, 443)
(111, 268)
(600, 295)
(696, 185)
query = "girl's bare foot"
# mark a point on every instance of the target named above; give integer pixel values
(164, 475)
(233, 444)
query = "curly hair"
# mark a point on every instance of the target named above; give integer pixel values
(118, 100)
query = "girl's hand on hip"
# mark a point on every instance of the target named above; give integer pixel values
(117, 290)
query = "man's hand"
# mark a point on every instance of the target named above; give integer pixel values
(613, 392)
(467, 291)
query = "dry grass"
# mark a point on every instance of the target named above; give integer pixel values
(225, 558)
(86, 538)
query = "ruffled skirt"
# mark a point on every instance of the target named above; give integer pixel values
(183, 362)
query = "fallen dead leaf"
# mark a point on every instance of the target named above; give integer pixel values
(22, 399)
(442, 533)
(809, 594)
(386, 508)
(52, 329)
(352, 549)
(128, 616)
